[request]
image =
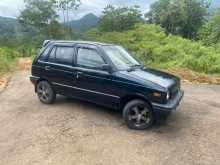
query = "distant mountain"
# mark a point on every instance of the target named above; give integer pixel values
(10, 29)
(85, 23)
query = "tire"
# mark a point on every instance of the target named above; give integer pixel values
(138, 115)
(45, 92)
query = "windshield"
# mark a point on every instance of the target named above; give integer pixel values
(120, 57)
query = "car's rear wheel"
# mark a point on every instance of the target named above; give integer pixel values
(45, 92)
(138, 115)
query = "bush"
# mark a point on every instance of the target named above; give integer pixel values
(155, 48)
(7, 59)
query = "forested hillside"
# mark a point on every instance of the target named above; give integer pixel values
(8, 27)
(14, 34)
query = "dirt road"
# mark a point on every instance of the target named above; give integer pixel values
(71, 132)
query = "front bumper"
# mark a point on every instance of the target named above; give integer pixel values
(34, 79)
(171, 105)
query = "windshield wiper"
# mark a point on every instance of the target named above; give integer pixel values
(133, 67)
(137, 65)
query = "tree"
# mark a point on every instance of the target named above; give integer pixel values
(119, 19)
(210, 32)
(183, 17)
(66, 6)
(196, 12)
(41, 15)
(157, 11)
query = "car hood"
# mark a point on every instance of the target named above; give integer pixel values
(160, 78)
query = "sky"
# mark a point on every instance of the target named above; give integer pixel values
(12, 8)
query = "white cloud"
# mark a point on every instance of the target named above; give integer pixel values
(11, 8)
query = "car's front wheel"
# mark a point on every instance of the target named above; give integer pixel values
(45, 92)
(138, 115)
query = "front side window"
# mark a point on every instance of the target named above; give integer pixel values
(120, 57)
(64, 55)
(89, 58)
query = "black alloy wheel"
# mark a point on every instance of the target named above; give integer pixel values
(45, 92)
(138, 115)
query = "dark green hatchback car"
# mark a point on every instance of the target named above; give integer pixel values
(105, 74)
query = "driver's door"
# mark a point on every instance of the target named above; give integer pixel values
(93, 83)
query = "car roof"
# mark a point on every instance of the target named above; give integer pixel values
(75, 42)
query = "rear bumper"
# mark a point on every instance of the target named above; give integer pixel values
(171, 105)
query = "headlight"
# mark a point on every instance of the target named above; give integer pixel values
(168, 95)
(157, 94)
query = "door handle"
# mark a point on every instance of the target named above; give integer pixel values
(78, 73)
(47, 68)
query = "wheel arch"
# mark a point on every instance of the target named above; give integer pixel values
(39, 80)
(124, 100)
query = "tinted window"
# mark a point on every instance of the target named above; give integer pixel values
(89, 58)
(64, 55)
(45, 52)
(52, 56)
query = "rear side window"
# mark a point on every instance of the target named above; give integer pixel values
(44, 54)
(89, 58)
(64, 55)
(52, 57)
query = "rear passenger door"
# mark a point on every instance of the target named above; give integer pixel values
(59, 68)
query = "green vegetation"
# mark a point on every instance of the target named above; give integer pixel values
(210, 32)
(119, 19)
(8, 28)
(182, 17)
(178, 33)
(41, 14)
(155, 48)
(7, 59)
(9, 56)
(175, 33)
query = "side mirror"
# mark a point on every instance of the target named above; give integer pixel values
(106, 67)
